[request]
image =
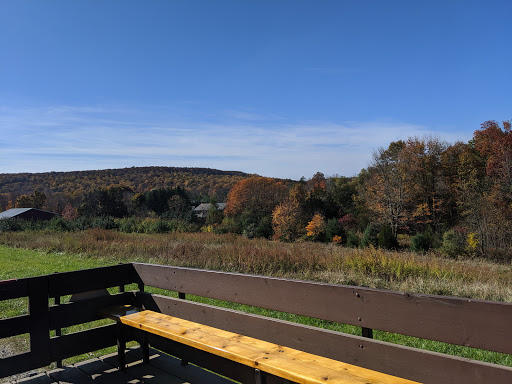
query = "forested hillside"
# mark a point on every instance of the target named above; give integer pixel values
(435, 195)
(63, 187)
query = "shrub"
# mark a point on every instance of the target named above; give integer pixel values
(352, 240)
(128, 225)
(453, 243)
(11, 225)
(385, 238)
(369, 236)
(103, 222)
(420, 243)
(333, 229)
(59, 224)
(264, 228)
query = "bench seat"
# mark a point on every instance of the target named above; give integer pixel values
(290, 364)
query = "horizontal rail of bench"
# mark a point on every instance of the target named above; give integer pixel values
(473, 323)
(415, 364)
(13, 326)
(13, 289)
(60, 348)
(74, 344)
(86, 280)
(73, 313)
(22, 362)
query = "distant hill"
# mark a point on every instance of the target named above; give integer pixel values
(198, 181)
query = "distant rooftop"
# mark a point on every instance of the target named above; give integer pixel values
(17, 212)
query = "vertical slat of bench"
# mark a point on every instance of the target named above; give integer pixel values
(474, 323)
(415, 364)
(39, 320)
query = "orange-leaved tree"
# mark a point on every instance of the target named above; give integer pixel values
(256, 197)
(288, 218)
(316, 227)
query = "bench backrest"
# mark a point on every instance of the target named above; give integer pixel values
(473, 323)
(467, 322)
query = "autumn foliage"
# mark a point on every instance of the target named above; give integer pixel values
(256, 195)
(455, 198)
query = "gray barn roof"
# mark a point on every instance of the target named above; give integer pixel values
(15, 212)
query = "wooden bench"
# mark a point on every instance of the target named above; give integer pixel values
(272, 359)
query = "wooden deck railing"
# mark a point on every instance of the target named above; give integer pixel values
(43, 317)
(467, 322)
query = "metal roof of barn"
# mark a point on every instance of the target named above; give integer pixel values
(13, 212)
(206, 206)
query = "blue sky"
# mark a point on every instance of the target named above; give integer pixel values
(282, 88)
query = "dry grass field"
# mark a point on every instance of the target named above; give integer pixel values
(404, 271)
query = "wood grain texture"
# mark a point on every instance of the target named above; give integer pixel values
(284, 362)
(473, 323)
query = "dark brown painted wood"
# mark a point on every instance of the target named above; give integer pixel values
(474, 323)
(13, 326)
(77, 343)
(41, 378)
(71, 375)
(66, 315)
(414, 364)
(91, 279)
(16, 364)
(12, 289)
(172, 365)
(39, 320)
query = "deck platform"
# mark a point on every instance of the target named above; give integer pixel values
(161, 369)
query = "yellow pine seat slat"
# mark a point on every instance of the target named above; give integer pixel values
(287, 363)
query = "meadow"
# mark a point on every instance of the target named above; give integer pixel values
(31, 253)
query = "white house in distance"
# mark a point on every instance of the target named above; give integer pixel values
(202, 209)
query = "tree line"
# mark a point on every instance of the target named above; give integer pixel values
(422, 193)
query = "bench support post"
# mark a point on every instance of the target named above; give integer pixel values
(145, 348)
(121, 347)
(259, 377)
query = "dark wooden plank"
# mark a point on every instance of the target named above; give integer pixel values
(86, 280)
(143, 371)
(189, 372)
(102, 372)
(41, 378)
(12, 289)
(474, 323)
(39, 320)
(13, 326)
(70, 375)
(411, 363)
(15, 364)
(72, 313)
(73, 344)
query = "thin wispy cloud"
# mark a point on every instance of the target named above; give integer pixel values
(64, 138)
